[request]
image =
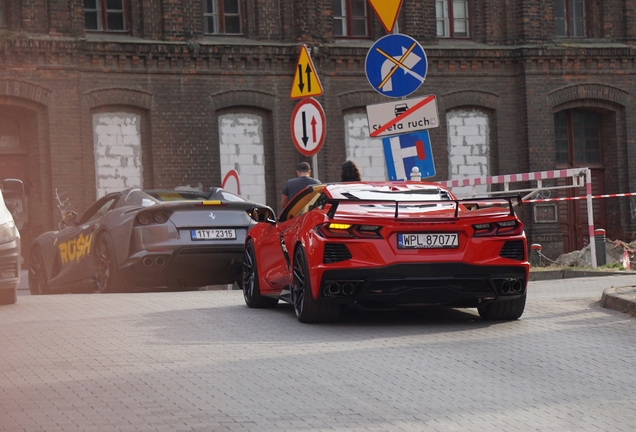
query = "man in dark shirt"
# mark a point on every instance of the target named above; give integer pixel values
(295, 185)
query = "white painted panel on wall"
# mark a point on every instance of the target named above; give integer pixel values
(468, 149)
(365, 151)
(117, 146)
(242, 149)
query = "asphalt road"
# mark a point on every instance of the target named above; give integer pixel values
(203, 361)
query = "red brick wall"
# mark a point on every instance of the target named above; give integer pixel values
(179, 94)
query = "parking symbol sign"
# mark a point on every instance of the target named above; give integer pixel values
(396, 65)
(403, 152)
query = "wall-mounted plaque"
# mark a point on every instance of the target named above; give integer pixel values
(545, 213)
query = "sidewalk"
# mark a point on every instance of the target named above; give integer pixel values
(621, 298)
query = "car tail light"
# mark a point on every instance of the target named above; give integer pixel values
(505, 228)
(344, 230)
(144, 218)
(510, 227)
(160, 217)
(148, 217)
(367, 231)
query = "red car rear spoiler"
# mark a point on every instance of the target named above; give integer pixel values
(476, 201)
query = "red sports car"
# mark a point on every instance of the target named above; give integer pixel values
(387, 245)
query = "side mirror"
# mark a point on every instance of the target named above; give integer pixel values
(263, 214)
(70, 217)
(12, 188)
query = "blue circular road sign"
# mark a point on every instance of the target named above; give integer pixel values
(396, 65)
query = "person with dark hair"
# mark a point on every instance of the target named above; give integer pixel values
(301, 181)
(350, 172)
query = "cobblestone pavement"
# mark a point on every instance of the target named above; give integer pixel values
(203, 361)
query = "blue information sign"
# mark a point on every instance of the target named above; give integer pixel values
(396, 65)
(403, 152)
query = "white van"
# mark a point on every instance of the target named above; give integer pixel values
(9, 244)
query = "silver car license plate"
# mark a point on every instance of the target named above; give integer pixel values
(213, 234)
(428, 241)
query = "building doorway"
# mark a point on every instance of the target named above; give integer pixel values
(578, 140)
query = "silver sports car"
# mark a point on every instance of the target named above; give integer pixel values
(145, 239)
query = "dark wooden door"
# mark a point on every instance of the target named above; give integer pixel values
(578, 144)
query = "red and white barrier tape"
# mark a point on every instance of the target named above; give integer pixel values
(510, 178)
(581, 197)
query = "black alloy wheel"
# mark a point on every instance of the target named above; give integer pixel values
(37, 273)
(307, 309)
(106, 273)
(250, 283)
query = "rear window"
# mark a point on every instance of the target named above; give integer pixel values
(387, 194)
(224, 195)
(136, 197)
(178, 195)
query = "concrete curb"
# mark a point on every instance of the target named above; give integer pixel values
(567, 274)
(621, 299)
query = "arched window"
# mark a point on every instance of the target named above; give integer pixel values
(118, 159)
(468, 147)
(242, 149)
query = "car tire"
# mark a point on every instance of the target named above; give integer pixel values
(307, 309)
(251, 284)
(505, 310)
(8, 297)
(107, 276)
(38, 283)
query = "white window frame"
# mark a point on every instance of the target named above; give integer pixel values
(574, 23)
(219, 15)
(103, 11)
(347, 18)
(448, 21)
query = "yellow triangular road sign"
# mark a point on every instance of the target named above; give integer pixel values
(387, 11)
(306, 81)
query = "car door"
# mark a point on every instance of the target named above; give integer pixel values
(275, 246)
(74, 246)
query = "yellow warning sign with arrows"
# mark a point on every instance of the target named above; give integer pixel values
(306, 81)
(387, 11)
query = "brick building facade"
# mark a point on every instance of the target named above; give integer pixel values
(98, 95)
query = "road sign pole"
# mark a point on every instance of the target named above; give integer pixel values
(314, 165)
